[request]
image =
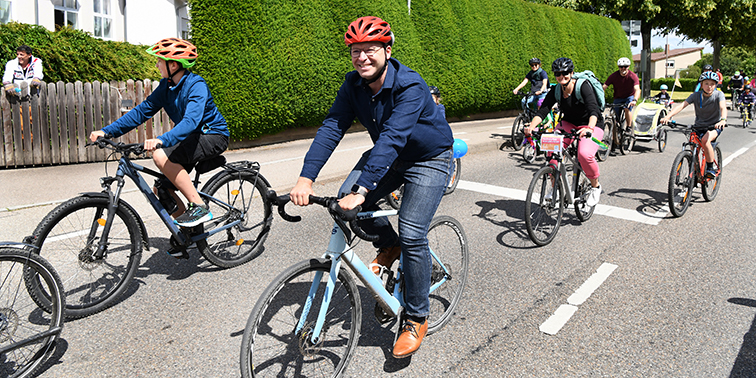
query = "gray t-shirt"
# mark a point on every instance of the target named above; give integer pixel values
(707, 108)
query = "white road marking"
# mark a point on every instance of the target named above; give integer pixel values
(555, 322)
(610, 211)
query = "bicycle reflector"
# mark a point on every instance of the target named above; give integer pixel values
(460, 148)
(101, 222)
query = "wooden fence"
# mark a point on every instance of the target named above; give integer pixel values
(52, 125)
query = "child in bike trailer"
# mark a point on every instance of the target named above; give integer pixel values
(412, 146)
(539, 84)
(582, 115)
(663, 96)
(747, 98)
(711, 116)
(200, 131)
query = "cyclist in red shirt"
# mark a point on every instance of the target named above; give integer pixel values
(626, 88)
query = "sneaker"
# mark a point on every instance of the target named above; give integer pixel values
(711, 173)
(593, 197)
(195, 214)
(549, 193)
(178, 253)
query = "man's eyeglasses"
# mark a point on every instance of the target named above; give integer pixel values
(369, 52)
(561, 73)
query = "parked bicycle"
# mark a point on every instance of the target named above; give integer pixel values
(96, 240)
(28, 334)
(688, 171)
(550, 190)
(307, 321)
(522, 121)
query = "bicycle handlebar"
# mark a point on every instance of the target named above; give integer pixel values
(331, 203)
(120, 147)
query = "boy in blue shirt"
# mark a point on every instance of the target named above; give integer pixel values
(200, 131)
(747, 98)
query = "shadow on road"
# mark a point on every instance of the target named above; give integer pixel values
(745, 363)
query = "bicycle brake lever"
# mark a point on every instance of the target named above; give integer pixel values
(281, 202)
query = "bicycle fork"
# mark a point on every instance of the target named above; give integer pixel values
(106, 224)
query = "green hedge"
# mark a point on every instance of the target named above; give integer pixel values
(275, 64)
(688, 85)
(69, 55)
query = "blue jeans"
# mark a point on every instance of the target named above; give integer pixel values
(424, 185)
(531, 100)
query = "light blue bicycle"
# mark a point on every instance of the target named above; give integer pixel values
(307, 321)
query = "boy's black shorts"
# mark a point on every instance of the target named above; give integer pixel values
(196, 147)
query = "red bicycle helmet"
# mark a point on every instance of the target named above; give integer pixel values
(369, 29)
(175, 49)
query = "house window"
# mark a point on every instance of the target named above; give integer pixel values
(66, 13)
(102, 18)
(670, 63)
(186, 28)
(4, 11)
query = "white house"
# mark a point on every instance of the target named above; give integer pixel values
(134, 21)
(665, 64)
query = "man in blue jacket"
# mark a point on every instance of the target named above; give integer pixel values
(412, 146)
(200, 131)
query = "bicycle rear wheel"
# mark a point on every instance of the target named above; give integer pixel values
(456, 173)
(245, 192)
(710, 187)
(68, 238)
(20, 318)
(680, 185)
(543, 215)
(662, 140)
(447, 240)
(583, 211)
(518, 131)
(271, 347)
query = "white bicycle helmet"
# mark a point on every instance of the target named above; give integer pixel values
(623, 62)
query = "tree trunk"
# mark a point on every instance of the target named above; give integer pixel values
(646, 51)
(717, 52)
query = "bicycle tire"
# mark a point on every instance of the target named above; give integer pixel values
(270, 347)
(710, 187)
(603, 153)
(680, 185)
(518, 131)
(454, 179)
(627, 142)
(19, 316)
(662, 140)
(62, 239)
(394, 199)
(246, 192)
(543, 217)
(447, 240)
(582, 210)
(528, 153)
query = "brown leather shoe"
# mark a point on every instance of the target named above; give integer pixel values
(410, 338)
(386, 257)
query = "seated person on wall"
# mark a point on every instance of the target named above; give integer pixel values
(24, 68)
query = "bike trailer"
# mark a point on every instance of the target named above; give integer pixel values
(646, 118)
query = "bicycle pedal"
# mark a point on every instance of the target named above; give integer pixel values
(178, 253)
(380, 315)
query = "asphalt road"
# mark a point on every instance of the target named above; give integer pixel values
(680, 302)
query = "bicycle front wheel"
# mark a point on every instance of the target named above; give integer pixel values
(603, 153)
(394, 199)
(518, 131)
(583, 211)
(20, 318)
(68, 238)
(662, 140)
(544, 206)
(245, 193)
(710, 187)
(272, 346)
(447, 241)
(454, 179)
(680, 185)
(627, 142)
(528, 153)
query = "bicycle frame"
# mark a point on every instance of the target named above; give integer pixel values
(695, 146)
(131, 170)
(339, 249)
(576, 170)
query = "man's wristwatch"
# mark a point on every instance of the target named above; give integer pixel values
(356, 189)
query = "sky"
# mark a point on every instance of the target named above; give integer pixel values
(675, 42)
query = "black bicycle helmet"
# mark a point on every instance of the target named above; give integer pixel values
(434, 90)
(747, 86)
(534, 61)
(708, 67)
(562, 65)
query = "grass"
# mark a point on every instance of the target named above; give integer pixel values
(678, 96)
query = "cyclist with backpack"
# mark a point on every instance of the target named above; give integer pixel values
(626, 89)
(539, 83)
(581, 109)
(711, 116)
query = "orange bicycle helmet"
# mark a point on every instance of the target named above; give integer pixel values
(369, 29)
(175, 49)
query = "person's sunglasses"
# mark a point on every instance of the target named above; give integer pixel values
(623, 66)
(561, 73)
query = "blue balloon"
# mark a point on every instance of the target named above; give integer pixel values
(460, 148)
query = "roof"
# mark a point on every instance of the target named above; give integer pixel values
(672, 53)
